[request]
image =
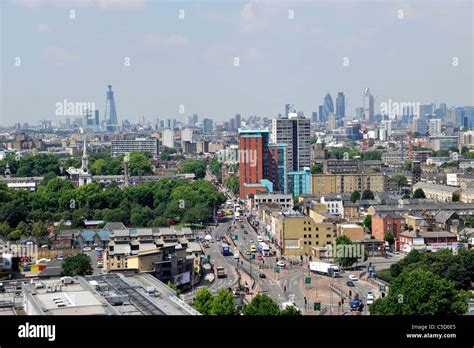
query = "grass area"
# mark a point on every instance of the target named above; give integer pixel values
(193, 226)
(385, 275)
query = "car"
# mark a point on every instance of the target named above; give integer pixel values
(99, 249)
(259, 257)
(245, 232)
(241, 225)
(396, 252)
(370, 295)
(353, 278)
(85, 249)
(247, 252)
(100, 264)
(262, 275)
(60, 258)
(350, 283)
(369, 301)
(251, 241)
(281, 264)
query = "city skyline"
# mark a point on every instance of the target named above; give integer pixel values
(162, 65)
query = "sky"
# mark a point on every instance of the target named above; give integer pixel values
(158, 55)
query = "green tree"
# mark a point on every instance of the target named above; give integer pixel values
(401, 180)
(261, 304)
(317, 168)
(203, 301)
(368, 222)
(421, 293)
(407, 165)
(419, 193)
(355, 196)
(223, 303)
(367, 194)
(14, 235)
(232, 183)
(389, 238)
(174, 287)
(343, 257)
(140, 163)
(195, 166)
(166, 153)
(290, 310)
(78, 265)
(215, 167)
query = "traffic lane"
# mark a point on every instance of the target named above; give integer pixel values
(221, 261)
(93, 255)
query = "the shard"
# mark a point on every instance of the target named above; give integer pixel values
(111, 122)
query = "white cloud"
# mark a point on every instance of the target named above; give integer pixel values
(248, 18)
(103, 4)
(252, 54)
(59, 55)
(43, 28)
(170, 40)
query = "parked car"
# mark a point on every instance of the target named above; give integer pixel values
(85, 249)
(99, 249)
(259, 257)
(353, 277)
(369, 301)
(262, 275)
(350, 283)
(247, 252)
(370, 295)
(281, 264)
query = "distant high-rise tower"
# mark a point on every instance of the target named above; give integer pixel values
(328, 107)
(111, 122)
(340, 106)
(207, 126)
(238, 121)
(369, 102)
(289, 108)
(294, 131)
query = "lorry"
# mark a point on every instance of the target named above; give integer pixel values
(221, 272)
(329, 269)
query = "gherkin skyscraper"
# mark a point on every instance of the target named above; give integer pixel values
(328, 107)
(111, 122)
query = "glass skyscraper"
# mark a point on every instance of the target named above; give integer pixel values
(328, 107)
